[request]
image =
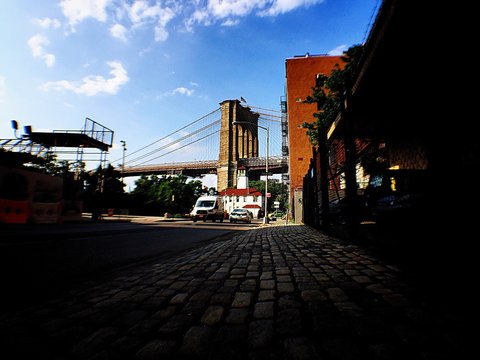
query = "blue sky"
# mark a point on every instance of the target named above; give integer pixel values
(145, 68)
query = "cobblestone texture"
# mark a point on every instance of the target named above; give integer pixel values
(277, 292)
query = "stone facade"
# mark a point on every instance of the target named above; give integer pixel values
(236, 141)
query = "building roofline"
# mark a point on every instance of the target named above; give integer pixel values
(308, 55)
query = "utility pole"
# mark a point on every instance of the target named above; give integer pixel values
(265, 219)
(124, 145)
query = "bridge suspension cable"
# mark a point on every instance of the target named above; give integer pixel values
(173, 143)
(169, 135)
(265, 109)
(181, 147)
(274, 115)
(274, 126)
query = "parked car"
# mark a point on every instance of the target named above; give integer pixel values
(395, 195)
(277, 214)
(242, 215)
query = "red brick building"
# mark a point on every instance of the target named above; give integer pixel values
(301, 74)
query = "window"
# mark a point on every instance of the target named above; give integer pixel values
(205, 203)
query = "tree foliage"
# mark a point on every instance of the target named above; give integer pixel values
(49, 164)
(329, 92)
(173, 194)
(103, 189)
(278, 191)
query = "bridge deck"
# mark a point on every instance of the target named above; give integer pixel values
(276, 165)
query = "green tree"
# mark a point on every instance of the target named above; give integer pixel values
(104, 189)
(174, 194)
(329, 92)
(278, 191)
(113, 187)
(48, 164)
(143, 198)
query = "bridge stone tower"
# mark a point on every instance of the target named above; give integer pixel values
(236, 141)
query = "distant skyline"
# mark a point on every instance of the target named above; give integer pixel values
(146, 68)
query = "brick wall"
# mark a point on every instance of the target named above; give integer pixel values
(301, 74)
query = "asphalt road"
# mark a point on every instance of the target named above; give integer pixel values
(38, 261)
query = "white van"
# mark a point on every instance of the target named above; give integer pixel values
(208, 207)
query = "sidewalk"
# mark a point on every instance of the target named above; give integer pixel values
(276, 292)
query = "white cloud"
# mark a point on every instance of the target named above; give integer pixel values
(278, 7)
(49, 59)
(228, 11)
(144, 51)
(157, 15)
(225, 8)
(199, 16)
(93, 84)
(338, 50)
(119, 31)
(37, 45)
(3, 89)
(231, 22)
(183, 91)
(47, 23)
(165, 17)
(141, 13)
(78, 10)
(161, 33)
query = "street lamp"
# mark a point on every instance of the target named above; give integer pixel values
(265, 217)
(124, 145)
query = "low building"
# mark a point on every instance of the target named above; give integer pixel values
(250, 199)
(243, 196)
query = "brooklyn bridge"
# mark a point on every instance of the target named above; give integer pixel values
(231, 138)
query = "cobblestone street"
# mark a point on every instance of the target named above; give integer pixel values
(277, 292)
